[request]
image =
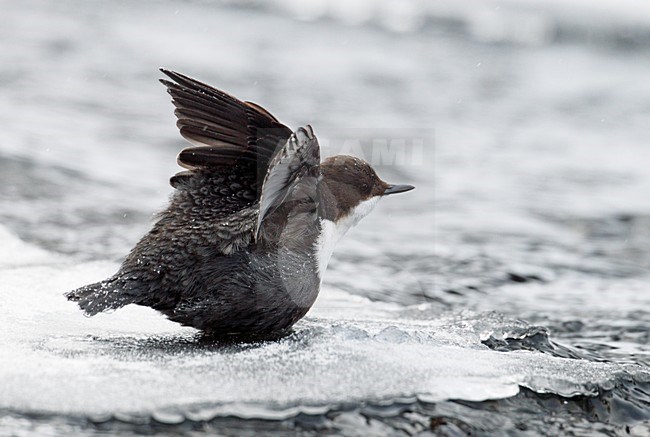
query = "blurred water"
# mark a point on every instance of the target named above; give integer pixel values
(531, 201)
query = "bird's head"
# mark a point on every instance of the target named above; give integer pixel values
(350, 189)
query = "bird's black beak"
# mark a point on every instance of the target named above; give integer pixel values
(394, 189)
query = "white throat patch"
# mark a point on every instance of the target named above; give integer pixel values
(331, 232)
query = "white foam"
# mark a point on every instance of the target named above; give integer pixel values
(14, 252)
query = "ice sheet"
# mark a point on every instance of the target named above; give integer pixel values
(348, 349)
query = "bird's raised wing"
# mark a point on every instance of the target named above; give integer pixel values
(229, 136)
(292, 179)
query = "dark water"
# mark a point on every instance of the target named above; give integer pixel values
(508, 294)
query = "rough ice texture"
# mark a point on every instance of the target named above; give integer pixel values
(348, 349)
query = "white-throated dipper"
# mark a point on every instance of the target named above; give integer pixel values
(243, 245)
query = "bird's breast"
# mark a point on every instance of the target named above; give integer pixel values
(332, 231)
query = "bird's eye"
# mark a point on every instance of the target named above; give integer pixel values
(365, 187)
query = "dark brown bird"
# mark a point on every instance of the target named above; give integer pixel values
(243, 245)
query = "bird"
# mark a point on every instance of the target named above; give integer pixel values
(243, 245)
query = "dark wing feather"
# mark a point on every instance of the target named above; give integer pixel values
(292, 176)
(224, 131)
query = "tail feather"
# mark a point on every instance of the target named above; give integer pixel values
(100, 296)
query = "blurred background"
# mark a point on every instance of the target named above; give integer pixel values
(533, 117)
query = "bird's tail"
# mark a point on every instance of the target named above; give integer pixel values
(100, 296)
